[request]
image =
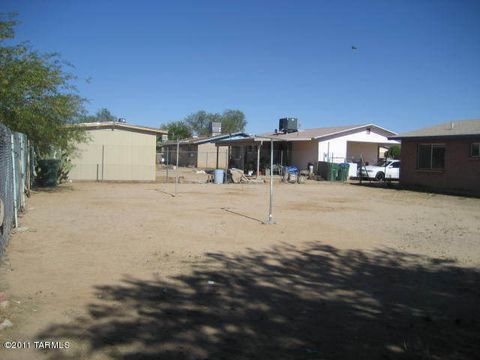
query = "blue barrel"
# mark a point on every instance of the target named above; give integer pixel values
(218, 176)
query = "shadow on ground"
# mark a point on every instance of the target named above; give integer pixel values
(286, 303)
(395, 185)
(53, 189)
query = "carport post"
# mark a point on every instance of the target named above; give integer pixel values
(258, 159)
(176, 167)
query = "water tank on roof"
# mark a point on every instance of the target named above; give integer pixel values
(216, 128)
(288, 125)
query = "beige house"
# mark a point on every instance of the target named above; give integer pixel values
(300, 148)
(116, 152)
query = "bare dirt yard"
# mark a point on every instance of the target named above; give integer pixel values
(126, 271)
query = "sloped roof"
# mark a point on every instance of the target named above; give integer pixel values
(123, 126)
(459, 128)
(318, 133)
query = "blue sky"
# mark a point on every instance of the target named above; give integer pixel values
(417, 63)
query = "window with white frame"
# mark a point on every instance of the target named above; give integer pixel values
(475, 150)
(431, 156)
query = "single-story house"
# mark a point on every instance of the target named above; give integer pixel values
(444, 157)
(116, 151)
(199, 152)
(300, 147)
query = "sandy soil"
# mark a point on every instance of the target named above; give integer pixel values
(128, 271)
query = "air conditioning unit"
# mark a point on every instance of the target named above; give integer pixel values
(288, 125)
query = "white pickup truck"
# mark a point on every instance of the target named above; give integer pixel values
(384, 169)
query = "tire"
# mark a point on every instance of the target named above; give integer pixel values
(380, 176)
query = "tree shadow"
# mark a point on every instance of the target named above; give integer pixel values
(288, 303)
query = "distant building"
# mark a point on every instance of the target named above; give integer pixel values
(199, 152)
(444, 157)
(116, 151)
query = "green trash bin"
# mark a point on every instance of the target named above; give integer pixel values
(47, 172)
(328, 171)
(343, 172)
(334, 171)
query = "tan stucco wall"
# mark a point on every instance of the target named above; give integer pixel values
(127, 155)
(304, 152)
(207, 156)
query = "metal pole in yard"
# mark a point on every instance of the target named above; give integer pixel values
(361, 168)
(103, 160)
(176, 167)
(258, 159)
(166, 180)
(270, 215)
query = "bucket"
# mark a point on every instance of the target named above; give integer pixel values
(218, 176)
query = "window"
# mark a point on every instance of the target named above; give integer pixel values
(396, 165)
(475, 150)
(431, 156)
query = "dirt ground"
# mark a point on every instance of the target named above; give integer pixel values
(126, 271)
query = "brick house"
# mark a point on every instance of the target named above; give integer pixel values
(444, 157)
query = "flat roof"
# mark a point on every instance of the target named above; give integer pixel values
(123, 126)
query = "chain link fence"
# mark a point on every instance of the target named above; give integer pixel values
(15, 180)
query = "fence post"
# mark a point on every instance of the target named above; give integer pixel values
(15, 218)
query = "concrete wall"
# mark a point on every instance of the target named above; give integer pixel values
(127, 156)
(304, 152)
(336, 147)
(461, 173)
(207, 156)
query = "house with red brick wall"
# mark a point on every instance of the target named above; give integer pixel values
(443, 158)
